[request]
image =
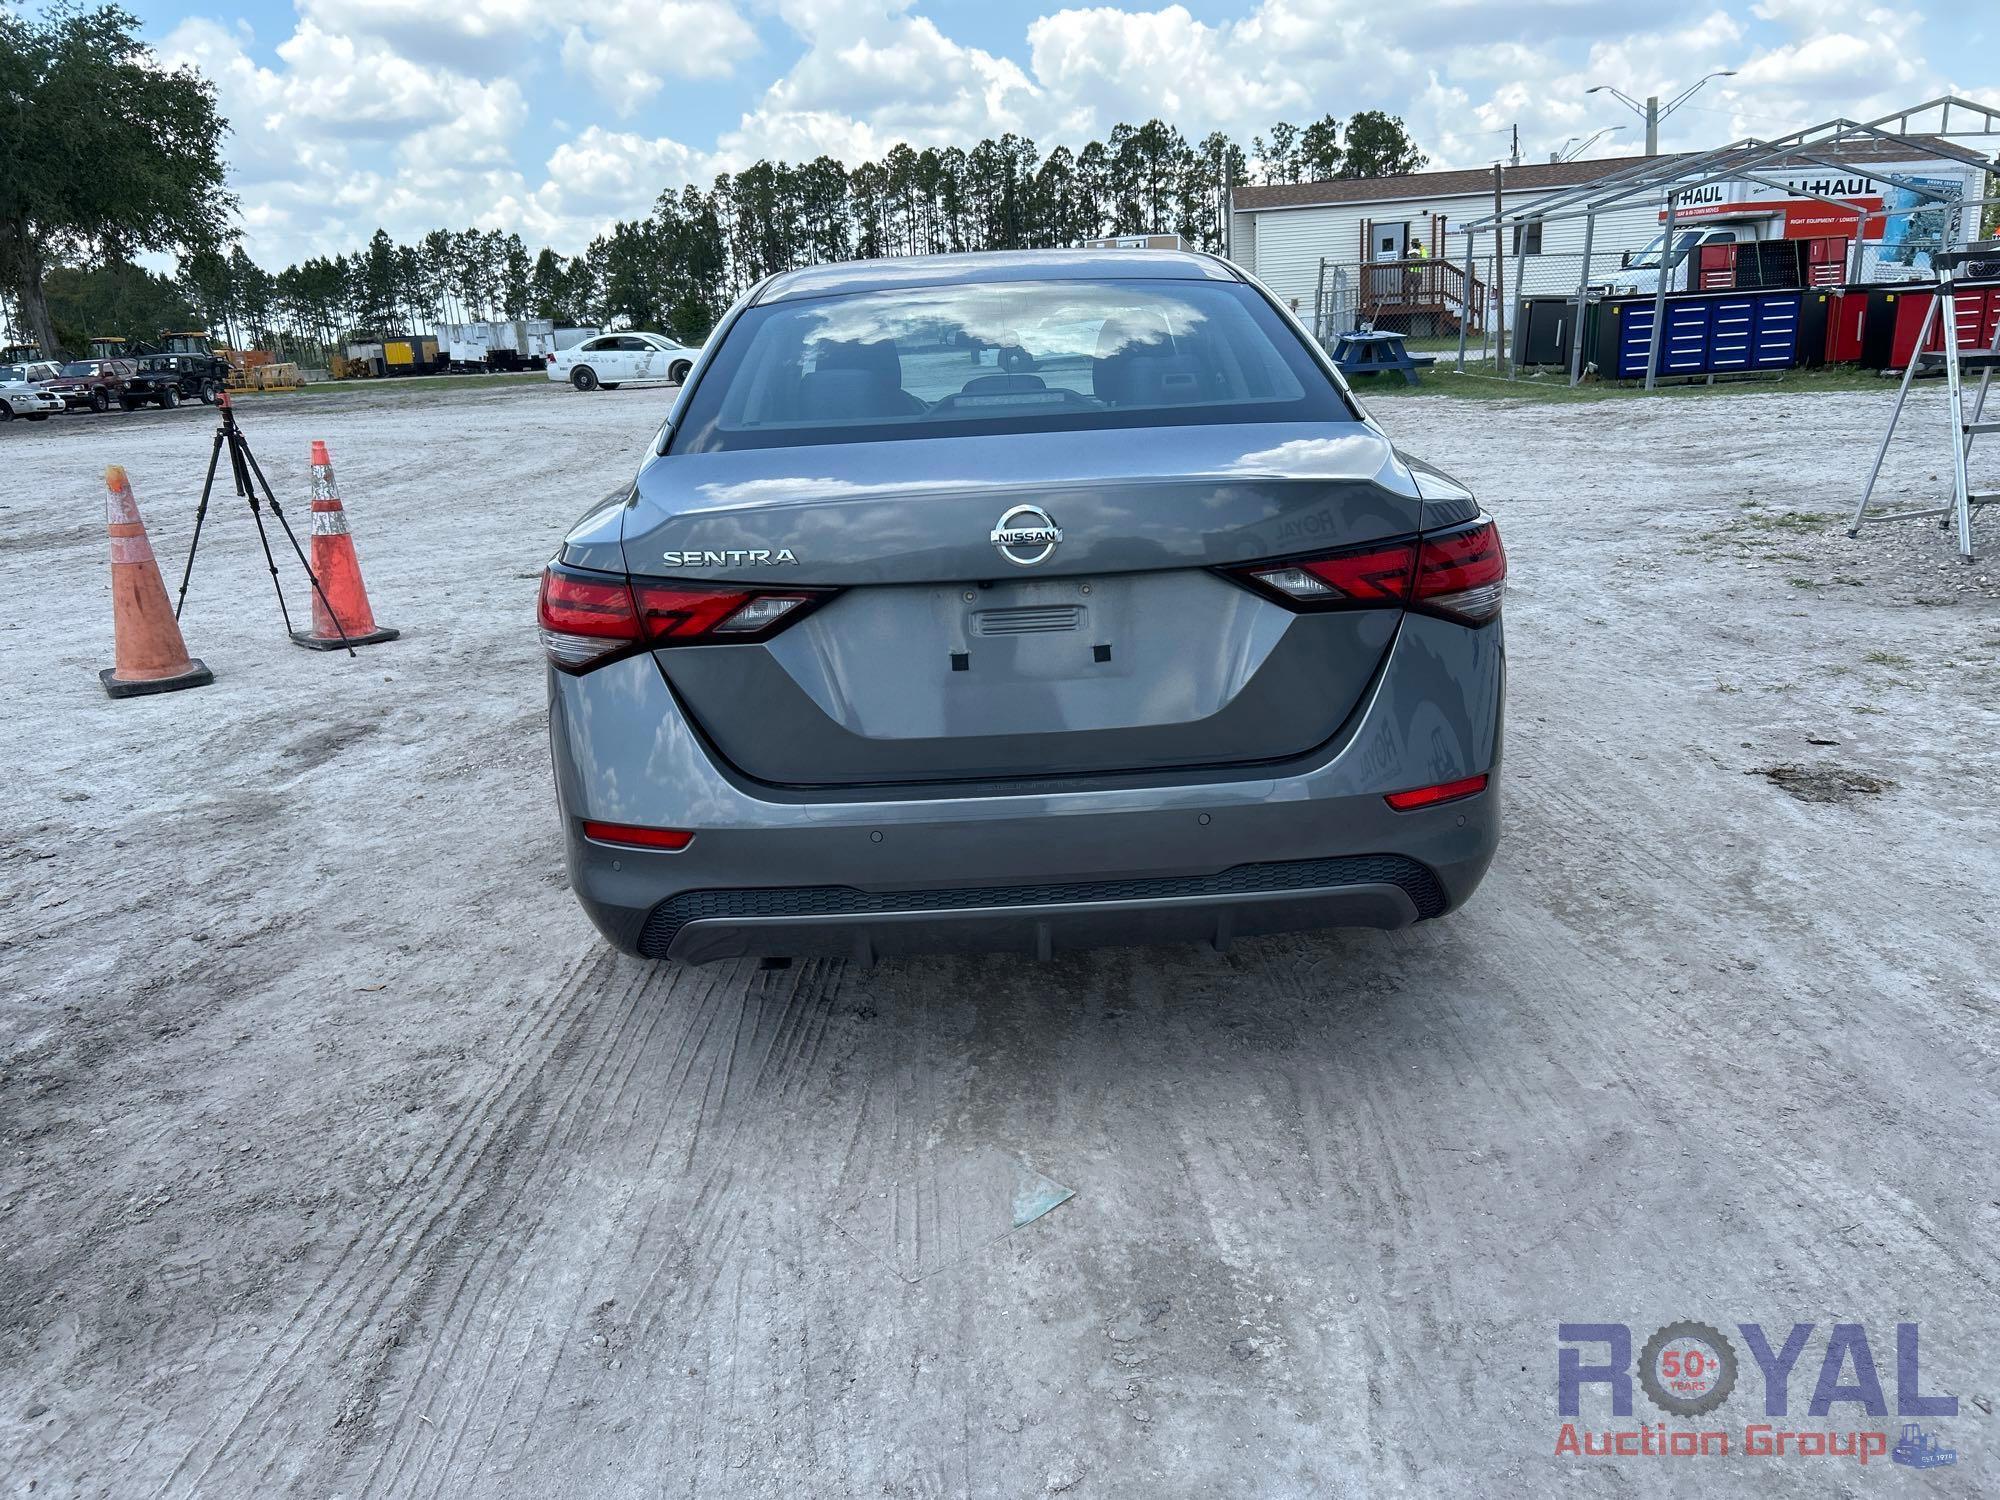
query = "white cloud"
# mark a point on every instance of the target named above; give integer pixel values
(457, 34)
(1106, 65)
(557, 120)
(414, 145)
(627, 48)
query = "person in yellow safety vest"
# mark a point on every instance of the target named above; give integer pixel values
(1417, 250)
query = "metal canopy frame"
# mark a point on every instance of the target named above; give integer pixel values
(1739, 160)
(1988, 116)
(1723, 162)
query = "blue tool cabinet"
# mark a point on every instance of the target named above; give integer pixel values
(1704, 334)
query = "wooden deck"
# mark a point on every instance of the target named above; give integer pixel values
(1403, 293)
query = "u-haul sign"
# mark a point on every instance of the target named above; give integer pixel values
(1802, 217)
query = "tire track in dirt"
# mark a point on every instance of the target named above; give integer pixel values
(597, 1074)
(346, 1295)
(486, 1251)
(718, 1050)
(541, 1109)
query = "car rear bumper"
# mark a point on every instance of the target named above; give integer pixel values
(1187, 859)
(848, 922)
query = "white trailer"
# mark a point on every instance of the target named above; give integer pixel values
(506, 344)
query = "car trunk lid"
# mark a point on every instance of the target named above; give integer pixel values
(947, 657)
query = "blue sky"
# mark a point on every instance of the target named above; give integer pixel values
(554, 120)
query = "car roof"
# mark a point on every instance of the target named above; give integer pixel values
(842, 277)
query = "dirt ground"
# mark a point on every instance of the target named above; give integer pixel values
(341, 1158)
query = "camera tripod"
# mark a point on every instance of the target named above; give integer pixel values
(243, 468)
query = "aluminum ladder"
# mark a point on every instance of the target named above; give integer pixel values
(1964, 500)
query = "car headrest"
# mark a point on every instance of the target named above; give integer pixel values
(878, 359)
(1134, 333)
(1123, 343)
(842, 395)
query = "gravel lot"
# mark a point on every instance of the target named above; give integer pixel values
(342, 1159)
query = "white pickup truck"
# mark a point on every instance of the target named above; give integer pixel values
(1643, 274)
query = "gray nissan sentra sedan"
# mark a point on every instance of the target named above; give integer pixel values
(1021, 601)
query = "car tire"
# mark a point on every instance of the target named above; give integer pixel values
(208, 393)
(678, 373)
(170, 397)
(6, 412)
(100, 400)
(583, 378)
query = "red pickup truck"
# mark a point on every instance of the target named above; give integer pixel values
(98, 384)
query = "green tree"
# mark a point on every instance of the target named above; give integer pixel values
(377, 290)
(867, 193)
(1319, 150)
(514, 278)
(1282, 165)
(1093, 190)
(1379, 146)
(103, 154)
(117, 299)
(1223, 166)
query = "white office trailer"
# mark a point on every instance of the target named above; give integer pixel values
(1395, 250)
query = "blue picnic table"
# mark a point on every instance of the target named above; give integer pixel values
(1368, 352)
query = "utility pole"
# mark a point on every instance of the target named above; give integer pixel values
(1652, 124)
(1514, 159)
(1228, 204)
(1499, 277)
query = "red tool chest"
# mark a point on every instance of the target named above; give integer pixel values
(1889, 330)
(1846, 312)
(1826, 262)
(1717, 269)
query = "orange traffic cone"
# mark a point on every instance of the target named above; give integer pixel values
(151, 656)
(341, 616)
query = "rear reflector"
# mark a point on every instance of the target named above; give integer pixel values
(1430, 796)
(589, 618)
(644, 838)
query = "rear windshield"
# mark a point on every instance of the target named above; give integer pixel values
(1005, 357)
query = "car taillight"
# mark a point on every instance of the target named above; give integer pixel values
(588, 618)
(1463, 573)
(585, 617)
(1459, 573)
(1365, 576)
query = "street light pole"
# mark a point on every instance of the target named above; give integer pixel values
(1652, 111)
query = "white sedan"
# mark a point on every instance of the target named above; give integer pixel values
(21, 397)
(612, 359)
